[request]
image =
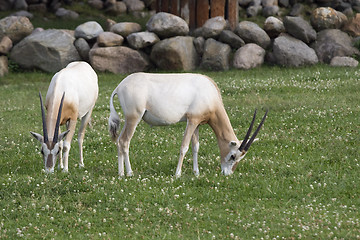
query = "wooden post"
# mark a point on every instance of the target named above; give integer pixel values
(233, 13)
(192, 14)
(217, 8)
(165, 6)
(174, 7)
(202, 12)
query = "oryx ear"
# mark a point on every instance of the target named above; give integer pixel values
(232, 144)
(37, 136)
(63, 135)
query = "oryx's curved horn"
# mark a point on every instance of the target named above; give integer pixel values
(45, 133)
(56, 132)
(256, 132)
(243, 144)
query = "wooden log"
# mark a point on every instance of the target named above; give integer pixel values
(174, 7)
(233, 13)
(202, 12)
(192, 14)
(217, 8)
(165, 5)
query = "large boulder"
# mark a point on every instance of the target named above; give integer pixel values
(299, 28)
(16, 28)
(249, 56)
(353, 26)
(344, 62)
(326, 17)
(216, 55)
(177, 53)
(333, 42)
(289, 51)
(250, 32)
(229, 37)
(48, 50)
(109, 39)
(83, 48)
(5, 45)
(118, 59)
(89, 30)
(167, 25)
(4, 67)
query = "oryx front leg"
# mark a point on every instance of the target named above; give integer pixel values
(67, 144)
(123, 145)
(195, 150)
(84, 122)
(189, 131)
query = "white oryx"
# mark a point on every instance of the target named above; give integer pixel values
(164, 99)
(72, 94)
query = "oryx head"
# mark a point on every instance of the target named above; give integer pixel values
(236, 152)
(50, 148)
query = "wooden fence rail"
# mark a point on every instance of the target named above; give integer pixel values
(196, 12)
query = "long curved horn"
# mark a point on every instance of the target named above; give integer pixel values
(242, 146)
(256, 132)
(56, 132)
(45, 133)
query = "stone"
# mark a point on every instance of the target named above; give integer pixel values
(48, 50)
(353, 26)
(326, 18)
(115, 7)
(250, 32)
(216, 55)
(249, 56)
(273, 27)
(4, 66)
(5, 45)
(289, 51)
(118, 59)
(299, 28)
(23, 13)
(343, 62)
(142, 39)
(213, 27)
(270, 11)
(166, 25)
(231, 39)
(176, 53)
(134, 5)
(125, 28)
(109, 39)
(89, 30)
(333, 42)
(199, 43)
(83, 48)
(66, 14)
(16, 28)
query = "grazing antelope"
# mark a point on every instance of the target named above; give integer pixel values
(164, 99)
(72, 94)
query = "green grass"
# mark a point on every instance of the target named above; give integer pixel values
(301, 180)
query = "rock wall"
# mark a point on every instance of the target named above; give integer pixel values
(167, 43)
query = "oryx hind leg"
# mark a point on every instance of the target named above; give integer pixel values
(84, 122)
(123, 144)
(195, 150)
(67, 143)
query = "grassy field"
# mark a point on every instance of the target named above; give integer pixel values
(301, 180)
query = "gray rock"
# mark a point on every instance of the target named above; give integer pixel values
(270, 11)
(249, 56)
(296, 10)
(273, 27)
(213, 27)
(125, 28)
(289, 51)
(253, 11)
(48, 50)
(344, 62)
(66, 14)
(89, 30)
(16, 28)
(109, 39)
(118, 60)
(5, 45)
(216, 55)
(167, 25)
(83, 48)
(250, 32)
(331, 43)
(115, 7)
(199, 43)
(142, 39)
(98, 4)
(134, 5)
(23, 13)
(177, 53)
(231, 38)
(20, 5)
(299, 28)
(4, 66)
